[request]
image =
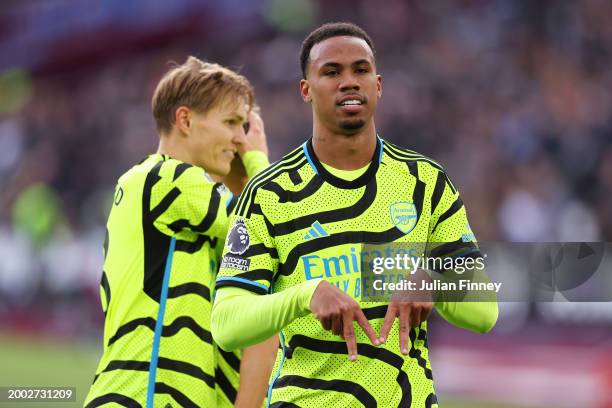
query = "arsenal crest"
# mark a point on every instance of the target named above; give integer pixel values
(404, 216)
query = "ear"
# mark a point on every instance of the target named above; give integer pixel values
(182, 119)
(379, 85)
(305, 90)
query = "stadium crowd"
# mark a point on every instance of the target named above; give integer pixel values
(513, 98)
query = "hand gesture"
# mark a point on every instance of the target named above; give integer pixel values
(412, 308)
(337, 311)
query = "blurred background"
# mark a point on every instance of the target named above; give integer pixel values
(514, 98)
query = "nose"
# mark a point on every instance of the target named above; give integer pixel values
(238, 135)
(349, 83)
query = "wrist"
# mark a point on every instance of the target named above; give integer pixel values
(254, 161)
(308, 292)
(246, 154)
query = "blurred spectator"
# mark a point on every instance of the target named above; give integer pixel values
(513, 98)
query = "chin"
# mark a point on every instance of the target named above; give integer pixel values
(217, 172)
(223, 171)
(353, 125)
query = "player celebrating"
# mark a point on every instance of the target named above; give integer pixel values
(301, 222)
(164, 237)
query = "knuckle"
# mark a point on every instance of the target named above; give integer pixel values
(346, 308)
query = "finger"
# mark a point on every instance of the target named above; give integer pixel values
(349, 336)
(388, 323)
(367, 328)
(336, 325)
(404, 318)
(425, 312)
(255, 120)
(326, 323)
(415, 316)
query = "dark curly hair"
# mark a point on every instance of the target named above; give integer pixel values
(327, 31)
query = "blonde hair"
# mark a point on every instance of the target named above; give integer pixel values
(199, 86)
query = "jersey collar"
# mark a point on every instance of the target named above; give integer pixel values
(360, 181)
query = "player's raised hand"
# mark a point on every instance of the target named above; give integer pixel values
(255, 138)
(337, 311)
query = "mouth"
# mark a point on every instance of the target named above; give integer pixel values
(351, 100)
(230, 153)
(351, 104)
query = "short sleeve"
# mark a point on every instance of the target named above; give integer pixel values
(250, 258)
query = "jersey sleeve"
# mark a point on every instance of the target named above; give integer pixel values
(238, 320)
(254, 161)
(248, 266)
(186, 199)
(250, 259)
(449, 234)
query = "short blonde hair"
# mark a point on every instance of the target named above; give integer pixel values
(197, 85)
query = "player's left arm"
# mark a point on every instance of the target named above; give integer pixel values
(450, 231)
(255, 369)
(450, 235)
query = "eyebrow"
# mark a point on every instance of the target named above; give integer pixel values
(237, 116)
(338, 65)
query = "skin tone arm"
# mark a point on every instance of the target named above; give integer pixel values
(255, 370)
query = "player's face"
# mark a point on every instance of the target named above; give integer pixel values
(214, 134)
(342, 84)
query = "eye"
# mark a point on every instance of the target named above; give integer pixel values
(331, 72)
(232, 122)
(363, 70)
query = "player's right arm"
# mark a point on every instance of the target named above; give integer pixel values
(248, 267)
(241, 318)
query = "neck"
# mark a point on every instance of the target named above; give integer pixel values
(169, 144)
(344, 152)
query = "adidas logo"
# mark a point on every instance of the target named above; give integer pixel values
(316, 231)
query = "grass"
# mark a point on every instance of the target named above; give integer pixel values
(31, 361)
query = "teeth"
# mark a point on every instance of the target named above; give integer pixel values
(351, 102)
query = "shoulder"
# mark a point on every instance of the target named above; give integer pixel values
(159, 174)
(419, 165)
(282, 174)
(176, 173)
(403, 155)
